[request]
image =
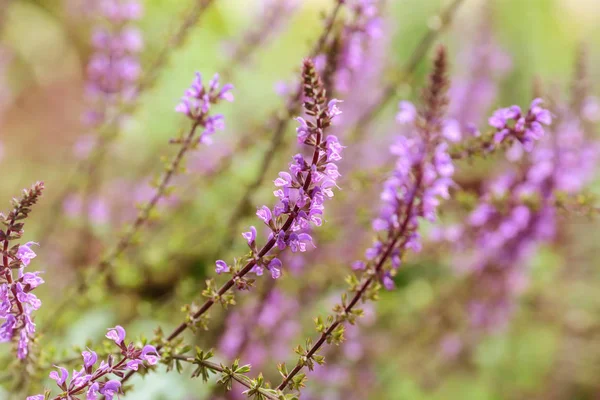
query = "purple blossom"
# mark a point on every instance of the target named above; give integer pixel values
(116, 334)
(250, 236)
(60, 379)
(221, 267)
(89, 358)
(25, 254)
(264, 213)
(526, 129)
(302, 190)
(197, 102)
(17, 302)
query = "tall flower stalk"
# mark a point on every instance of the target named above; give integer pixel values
(17, 302)
(301, 193)
(422, 174)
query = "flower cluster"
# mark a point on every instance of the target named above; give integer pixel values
(93, 380)
(422, 175)
(517, 213)
(526, 128)
(16, 300)
(303, 190)
(196, 103)
(114, 67)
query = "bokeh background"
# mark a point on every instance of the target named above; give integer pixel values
(549, 350)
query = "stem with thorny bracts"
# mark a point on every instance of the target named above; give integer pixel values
(357, 297)
(240, 378)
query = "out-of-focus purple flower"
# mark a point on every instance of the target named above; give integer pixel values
(358, 35)
(526, 129)
(113, 68)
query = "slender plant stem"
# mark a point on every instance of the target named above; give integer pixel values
(216, 367)
(359, 294)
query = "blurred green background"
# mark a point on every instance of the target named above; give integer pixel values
(552, 349)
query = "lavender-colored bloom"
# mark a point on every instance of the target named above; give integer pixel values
(505, 229)
(60, 379)
(116, 334)
(250, 236)
(221, 267)
(89, 358)
(526, 129)
(197, 101)
(301, 191)
(25, 254)
(17, 302)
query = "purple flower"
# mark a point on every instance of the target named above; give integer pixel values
(275, 268)
(221, 267)
(134, 364)
(30, 280)
(92, 393)
(89, 358)
(116, 334)
(407, 113)
(332, 108)
(284, 180)
(250, 236)
(264, 213)
(150, 355)
(60, 379)
(388, 282)
(526, 129)
(110, 389)
(303, 130)
(196, 104)
(25, 254)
